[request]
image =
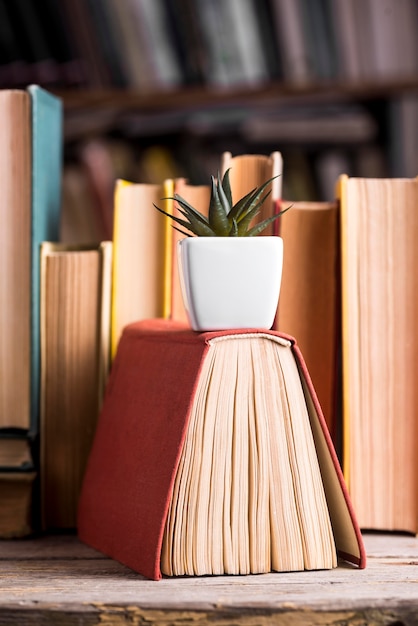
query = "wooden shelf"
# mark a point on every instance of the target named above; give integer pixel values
(190, 97)
(59, 580)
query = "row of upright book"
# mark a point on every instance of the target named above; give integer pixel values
(348, 297)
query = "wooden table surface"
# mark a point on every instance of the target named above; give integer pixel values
(58, 580)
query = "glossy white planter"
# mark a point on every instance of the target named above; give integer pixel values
(230, 282)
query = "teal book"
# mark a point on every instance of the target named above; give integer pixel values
(47, 157)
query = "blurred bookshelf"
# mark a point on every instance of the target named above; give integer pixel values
(157, 88)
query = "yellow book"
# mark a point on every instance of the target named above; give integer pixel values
(140, 268)
(167, 205)
(341, 187)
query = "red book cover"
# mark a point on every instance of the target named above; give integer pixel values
(132, 466)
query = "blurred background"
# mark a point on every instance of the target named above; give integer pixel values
(160, 88)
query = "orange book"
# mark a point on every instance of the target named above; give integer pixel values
(248, 171)
(193, 464)
(309, 304)
(379, 224)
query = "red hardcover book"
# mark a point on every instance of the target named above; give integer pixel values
(135, 489)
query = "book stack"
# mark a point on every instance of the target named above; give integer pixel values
(211, 456)
(54, 325)
(30, 173)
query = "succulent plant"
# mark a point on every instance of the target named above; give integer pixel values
(224, 219)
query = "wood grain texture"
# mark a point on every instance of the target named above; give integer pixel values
(58, 580)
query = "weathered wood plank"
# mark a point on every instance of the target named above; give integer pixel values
(57, 580)
(47, 547)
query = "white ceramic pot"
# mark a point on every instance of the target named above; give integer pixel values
(230, 282)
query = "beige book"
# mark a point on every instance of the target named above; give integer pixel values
(379, 224)
(75, 316)
(248, 171)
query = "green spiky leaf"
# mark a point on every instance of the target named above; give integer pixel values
(258, 228)
(246, 218)
(188, 207)
(218, 219)
(224, 219)
(199, 229)
(226, 186)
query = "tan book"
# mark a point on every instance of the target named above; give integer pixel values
(140, 251)
(15, 259)
(248, 171)
(30, 179)
(309, 304)
(75, 323)
(379, 225)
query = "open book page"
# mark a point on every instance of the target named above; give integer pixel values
(313, 513)
(248, 495)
